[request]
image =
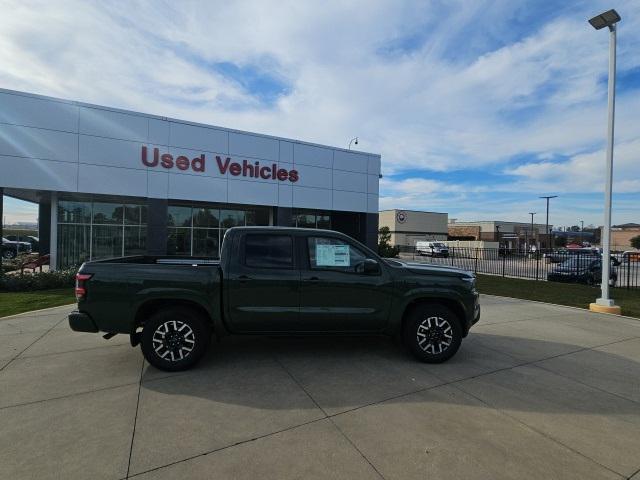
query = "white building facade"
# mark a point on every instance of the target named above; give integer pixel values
(111, 182)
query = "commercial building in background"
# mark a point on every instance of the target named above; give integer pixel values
(409, 226)
(511, 235)
(621, 235)
(111, 182)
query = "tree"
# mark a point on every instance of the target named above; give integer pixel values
(385, 249)
(635, 242)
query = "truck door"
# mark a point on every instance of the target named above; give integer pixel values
(337, 292)
(263, 286)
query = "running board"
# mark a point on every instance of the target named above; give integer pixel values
(109, 335)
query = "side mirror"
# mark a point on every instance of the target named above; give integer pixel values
(368, 267)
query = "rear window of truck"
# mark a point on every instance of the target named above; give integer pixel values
(268, 251)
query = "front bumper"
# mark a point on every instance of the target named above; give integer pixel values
(476, 313)
(81, 322)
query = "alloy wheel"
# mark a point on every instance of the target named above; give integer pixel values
(434, 335)
(173, 340)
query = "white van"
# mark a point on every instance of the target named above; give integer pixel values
(432, 249)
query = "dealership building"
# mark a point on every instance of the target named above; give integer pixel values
(110, 182)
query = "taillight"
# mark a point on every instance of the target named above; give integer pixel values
(81, 289)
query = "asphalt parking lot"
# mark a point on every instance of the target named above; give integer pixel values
(536, 391)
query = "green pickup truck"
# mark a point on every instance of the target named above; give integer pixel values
(274, 281)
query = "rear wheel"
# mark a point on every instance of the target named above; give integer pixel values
(432, 333)
(175, 339)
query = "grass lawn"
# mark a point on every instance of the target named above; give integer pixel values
(18, 302)
(561, 293)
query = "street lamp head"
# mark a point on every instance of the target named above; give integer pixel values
(606, 19)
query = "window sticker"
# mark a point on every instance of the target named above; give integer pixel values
(332, 256)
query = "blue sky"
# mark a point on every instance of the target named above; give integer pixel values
(477, 108)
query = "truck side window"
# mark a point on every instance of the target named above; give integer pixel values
(268, 251)
(333, 254)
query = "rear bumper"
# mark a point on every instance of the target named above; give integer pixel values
(81, 322)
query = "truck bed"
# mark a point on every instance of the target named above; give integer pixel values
(117, 293)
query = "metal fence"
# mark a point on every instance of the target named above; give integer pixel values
(543, 265)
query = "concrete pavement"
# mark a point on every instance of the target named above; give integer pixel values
(536, 391)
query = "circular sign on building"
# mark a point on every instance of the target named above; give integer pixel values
(401, 216)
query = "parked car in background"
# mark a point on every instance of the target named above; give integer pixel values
(630, 256)
(583, 269)
(11, 249)
(432, 249)
(34, 241)
(563, 254)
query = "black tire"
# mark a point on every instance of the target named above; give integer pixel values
(8, 254)
(175, 339)
(427, 330)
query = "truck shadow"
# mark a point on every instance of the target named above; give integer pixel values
(342, 373)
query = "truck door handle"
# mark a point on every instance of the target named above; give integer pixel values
(243, 278)
(313, 279)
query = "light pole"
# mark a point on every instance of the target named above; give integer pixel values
(533, 238)
(604, 304)
(353, 140)
(582, 233)
(548, 197)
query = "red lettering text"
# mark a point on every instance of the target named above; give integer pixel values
(182, 162)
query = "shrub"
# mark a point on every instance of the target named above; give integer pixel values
(38, 281)
(635, 242)
(15, 263)
(385, 249)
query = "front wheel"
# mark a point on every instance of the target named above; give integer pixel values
(432, 333)
(175, 339)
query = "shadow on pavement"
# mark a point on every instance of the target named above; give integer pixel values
(343, 372)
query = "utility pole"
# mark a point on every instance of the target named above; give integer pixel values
(533, 238)
(608, 19)
(548, 197)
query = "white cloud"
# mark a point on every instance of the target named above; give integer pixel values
(436, 107)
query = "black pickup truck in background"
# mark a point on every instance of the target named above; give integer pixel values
(274, 281)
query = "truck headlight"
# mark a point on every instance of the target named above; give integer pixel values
(471, 281)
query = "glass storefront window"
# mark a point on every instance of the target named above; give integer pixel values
(257, 217)
(132, 214)
(106, 241)
(323, 220)
(74, 244)
(107, 213)
(179, 216)
(90, 230)
(135, 240)
(206, 217)
(311, 219)
(206, 242)
(231, 218)
(179, 241)
(74, 212)
(305, 220)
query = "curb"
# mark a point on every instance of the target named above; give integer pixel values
(34, 311)
(586, 309)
